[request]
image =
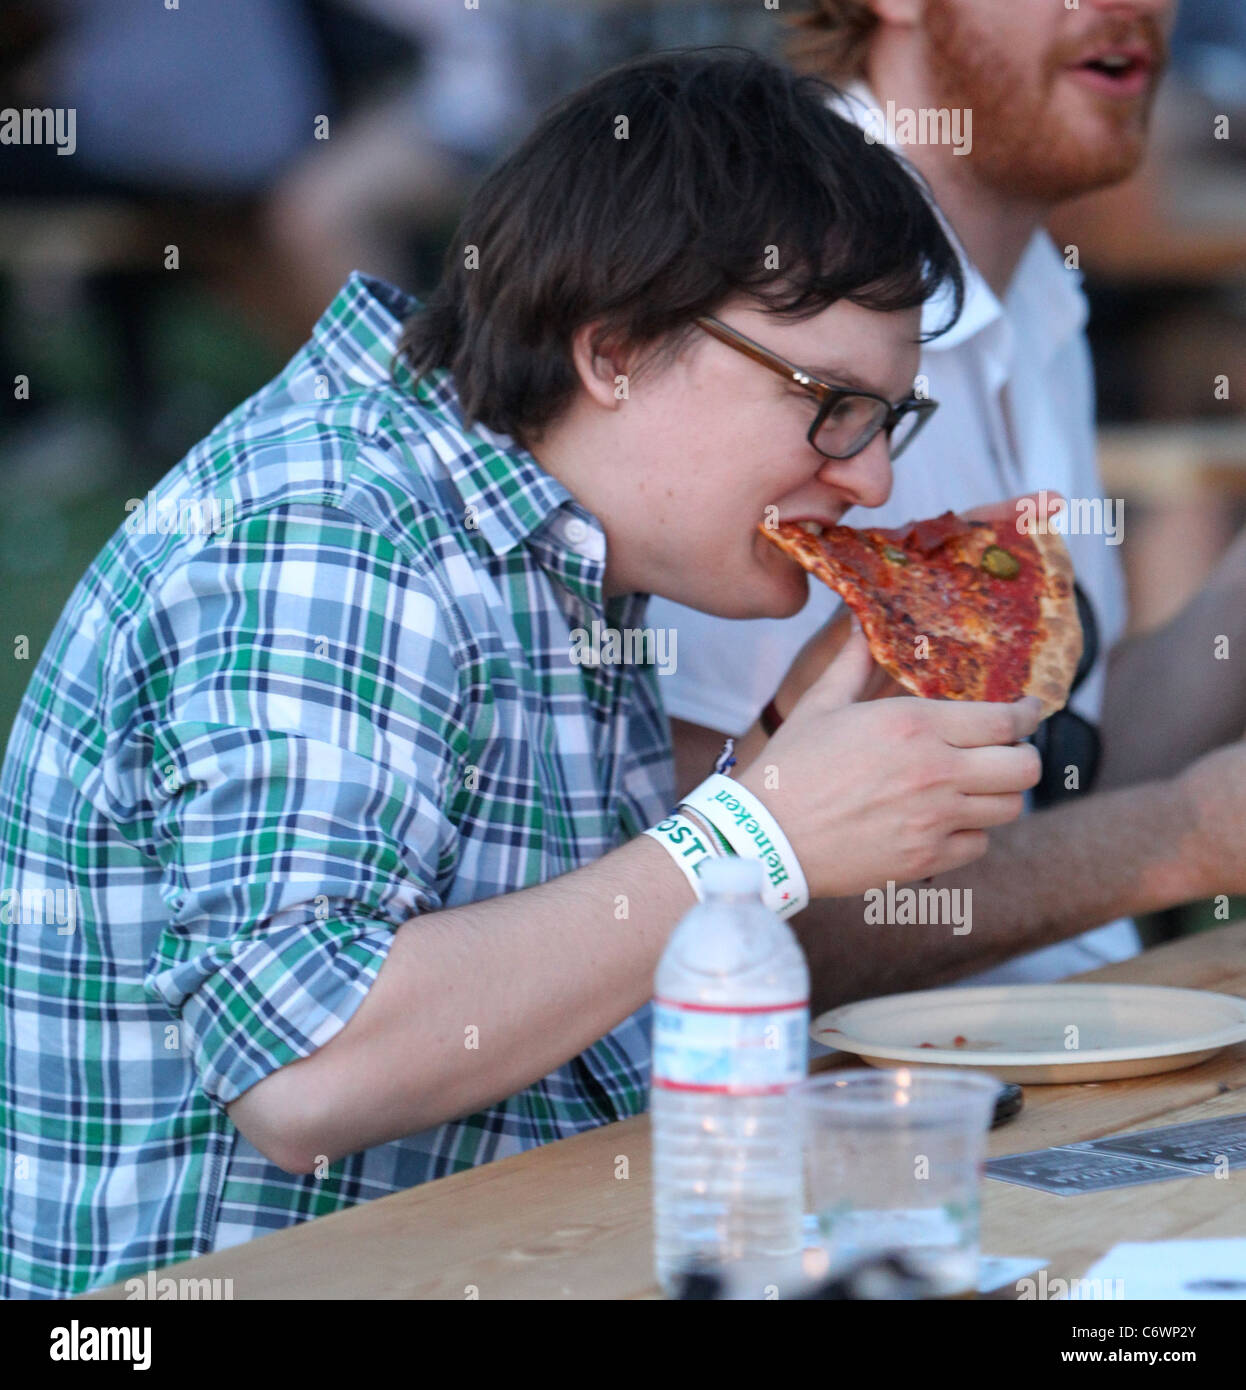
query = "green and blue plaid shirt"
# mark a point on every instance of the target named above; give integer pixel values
(319, 683)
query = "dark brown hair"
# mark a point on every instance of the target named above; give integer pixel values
(652, 196)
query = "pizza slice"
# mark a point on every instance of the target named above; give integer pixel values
(955, 608)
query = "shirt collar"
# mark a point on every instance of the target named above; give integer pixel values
(357, 336)
(1047, 294)
(506, 494)
(1043, 295)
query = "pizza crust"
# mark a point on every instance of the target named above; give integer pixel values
(1053, 663)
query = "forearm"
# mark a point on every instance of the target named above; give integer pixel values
(472, 1005)
(1046, 877)
(1174, 694)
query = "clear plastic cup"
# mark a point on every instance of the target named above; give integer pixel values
(893, 1162)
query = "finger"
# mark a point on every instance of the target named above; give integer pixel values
(980, 812)
(985, 771)
(960, 848)
(883, 686)
(845, 679)
(974, 723)
(1038, 506)
(814, 657)
(830, 641)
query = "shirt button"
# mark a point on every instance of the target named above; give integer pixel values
(575, 532)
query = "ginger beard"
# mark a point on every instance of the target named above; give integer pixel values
(1037, 132)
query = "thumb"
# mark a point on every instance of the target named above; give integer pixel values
(845, 679)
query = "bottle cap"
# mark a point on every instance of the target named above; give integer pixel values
(738, 877)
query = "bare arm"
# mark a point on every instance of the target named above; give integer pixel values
(544, 972)
(1044, 878)
(541, 974)
(1169, 697)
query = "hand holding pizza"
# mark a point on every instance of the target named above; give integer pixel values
(891, 789)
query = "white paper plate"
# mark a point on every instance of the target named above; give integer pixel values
(1039, 1033)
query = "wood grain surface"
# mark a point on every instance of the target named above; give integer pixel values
(563, 1222)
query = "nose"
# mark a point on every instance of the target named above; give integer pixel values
(866, 477)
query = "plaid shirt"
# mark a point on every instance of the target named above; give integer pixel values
(268, 729)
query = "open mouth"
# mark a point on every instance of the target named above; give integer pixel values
(1117, 72)
(815, 528)
(814, 525)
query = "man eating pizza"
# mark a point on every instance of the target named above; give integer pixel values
(370, 875)
(1038, 102)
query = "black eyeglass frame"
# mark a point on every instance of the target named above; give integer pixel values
(825, 393)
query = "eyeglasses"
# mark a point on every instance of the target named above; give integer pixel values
(847, 420)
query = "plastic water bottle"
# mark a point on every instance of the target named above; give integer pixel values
(730, 1038)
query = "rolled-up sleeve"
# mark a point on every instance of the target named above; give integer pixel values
(288, 724)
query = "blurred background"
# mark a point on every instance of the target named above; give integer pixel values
(163, 273)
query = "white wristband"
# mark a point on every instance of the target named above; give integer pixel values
(686, 845)
(753, 833)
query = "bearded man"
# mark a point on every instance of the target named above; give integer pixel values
(1036, 103)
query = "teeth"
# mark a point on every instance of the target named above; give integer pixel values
(1115, 60)
(813, 527)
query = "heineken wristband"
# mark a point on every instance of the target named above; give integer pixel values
(687, 845)
(713, 837)
(753, 833)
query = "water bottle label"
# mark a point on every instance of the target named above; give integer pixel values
(715, 1049)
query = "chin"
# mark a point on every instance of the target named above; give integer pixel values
(789, 607)
(1091, 149)
(774, 599)
(761, 583)
(763, 600)
(1062, 168)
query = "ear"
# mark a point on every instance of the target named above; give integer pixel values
(598, 365)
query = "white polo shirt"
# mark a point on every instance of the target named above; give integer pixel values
(1016, 414)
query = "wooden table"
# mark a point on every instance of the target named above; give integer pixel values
(573, 1219)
